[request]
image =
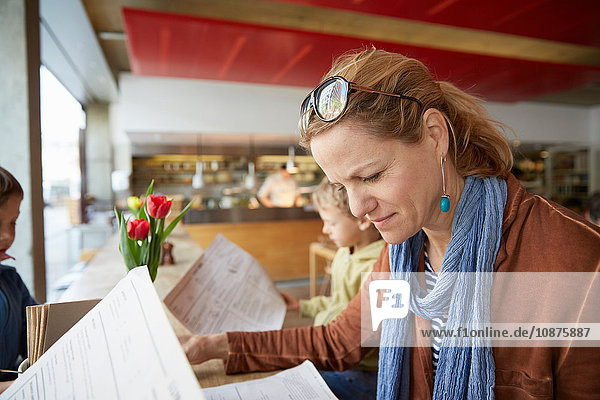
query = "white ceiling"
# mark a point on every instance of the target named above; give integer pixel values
(70, 50)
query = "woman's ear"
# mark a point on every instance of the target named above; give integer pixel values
(363, 224)
(436, 128)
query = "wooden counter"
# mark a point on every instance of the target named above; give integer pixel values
(281, 247)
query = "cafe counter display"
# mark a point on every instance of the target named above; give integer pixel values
(230, 177)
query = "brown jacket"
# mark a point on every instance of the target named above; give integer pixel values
(537, 235)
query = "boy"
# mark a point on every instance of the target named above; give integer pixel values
(14, 296)
(359, 245)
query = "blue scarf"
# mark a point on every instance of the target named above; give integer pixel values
(463, 372)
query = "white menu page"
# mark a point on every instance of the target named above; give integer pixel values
(299, 383)
(226, 290)
(124, 348)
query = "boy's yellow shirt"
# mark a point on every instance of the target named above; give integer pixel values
(346, 281)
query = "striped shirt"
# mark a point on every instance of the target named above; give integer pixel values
(436, 323)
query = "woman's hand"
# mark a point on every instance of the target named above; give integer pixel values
(291, 302)
(201, 348)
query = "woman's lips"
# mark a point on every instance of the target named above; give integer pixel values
(380, 222)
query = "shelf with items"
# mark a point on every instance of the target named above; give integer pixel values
(168, 170)
(224, 176)
(529, 166)
(569, 175)
(309, 173)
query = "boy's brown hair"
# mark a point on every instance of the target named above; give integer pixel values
(327, 194)
(8, 186)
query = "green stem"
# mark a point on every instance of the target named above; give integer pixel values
(151, 244)
(154, 259)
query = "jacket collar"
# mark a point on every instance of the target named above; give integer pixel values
(514, 197)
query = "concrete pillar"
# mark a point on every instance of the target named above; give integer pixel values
(20, 133)
(98, 152)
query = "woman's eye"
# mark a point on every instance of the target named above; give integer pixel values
(340, 188)
(372, 178)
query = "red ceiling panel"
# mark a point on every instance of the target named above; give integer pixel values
(571, 21)
(181, 46)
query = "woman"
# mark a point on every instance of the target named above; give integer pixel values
(423, 161)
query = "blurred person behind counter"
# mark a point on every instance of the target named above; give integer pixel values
(280, 190)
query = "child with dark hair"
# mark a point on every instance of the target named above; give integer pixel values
(14, 296)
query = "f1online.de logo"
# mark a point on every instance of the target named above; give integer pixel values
(389, 299)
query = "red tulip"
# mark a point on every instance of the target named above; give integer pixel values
(137, 229)
(158, 206)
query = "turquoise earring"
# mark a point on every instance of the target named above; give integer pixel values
(445, 200)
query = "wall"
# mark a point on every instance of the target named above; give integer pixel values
(120, 141)
(72, 52)
(595, 145)
(541, 122)
(183, 105)
(14, 126)
(168, 105)
(98, 151)
(595, 124)
(20, 134)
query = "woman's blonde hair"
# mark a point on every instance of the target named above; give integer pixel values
(477, 144)
(327, 194)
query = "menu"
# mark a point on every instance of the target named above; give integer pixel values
(124, 348)
(226, 290)
(299, 383)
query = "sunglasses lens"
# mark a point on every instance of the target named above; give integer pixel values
(305, 112)
(331, 99)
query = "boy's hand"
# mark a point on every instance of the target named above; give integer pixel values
(291, 302)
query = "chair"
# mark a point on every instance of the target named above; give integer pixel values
(317, 249)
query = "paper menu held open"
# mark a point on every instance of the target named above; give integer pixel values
(124, 348)
(226, 290)
(302, 382)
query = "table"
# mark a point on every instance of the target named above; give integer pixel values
(317, 249)
(107, 268)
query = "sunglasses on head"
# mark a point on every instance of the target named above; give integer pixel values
(329, 100)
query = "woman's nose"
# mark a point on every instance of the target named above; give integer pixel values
(361, 203)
